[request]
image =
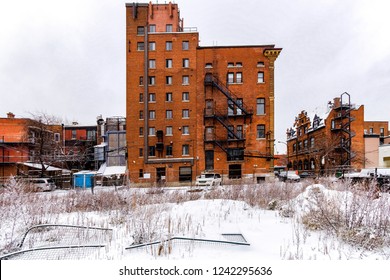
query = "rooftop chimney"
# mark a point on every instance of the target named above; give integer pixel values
(10, 115)
(336, 102)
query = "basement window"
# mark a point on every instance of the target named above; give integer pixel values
(185, 174)
(235, 171)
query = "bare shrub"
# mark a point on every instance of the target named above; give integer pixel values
(356, 216)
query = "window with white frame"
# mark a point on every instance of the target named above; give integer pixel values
(168, 63)
(152, 115)
(239, 132)
(152, 46)
(152, 28)
(238, 77)
(168, 97)
(168, 131)
(185, 96)
(260, 106)
(185, 45)
(152, 97)
(168, 45)
(186, 80)
(230, 78)
(152, 63)
(140, 46)
(152, 131)
(168, 80)
(152, 80)
(230, 132)
(185, 113)
(185, 150)
(239, 106)
(260, 77)
(186, 63)
(312, 142)
(169, 114)
(140, 30)
(260, 131)
(185, 130)
(260, 64)
(169, 28)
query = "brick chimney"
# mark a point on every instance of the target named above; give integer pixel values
(10, 115)
(336, 102)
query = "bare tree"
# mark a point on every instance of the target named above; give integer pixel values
(45, 137)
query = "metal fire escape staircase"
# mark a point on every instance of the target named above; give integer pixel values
(211, 80)
(342, 127)
(223, 118)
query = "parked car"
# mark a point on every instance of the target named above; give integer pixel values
(208, 180)
(308, 175)
(40, 184)
(289, 176)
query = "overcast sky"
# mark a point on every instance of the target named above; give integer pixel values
(67, 58)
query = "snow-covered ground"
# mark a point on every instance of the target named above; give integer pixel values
(139, 216)
(269, 223)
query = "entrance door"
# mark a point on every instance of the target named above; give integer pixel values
(209, 159)
(160, 174)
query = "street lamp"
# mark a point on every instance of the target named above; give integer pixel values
(288, 160)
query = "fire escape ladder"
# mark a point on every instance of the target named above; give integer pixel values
(219, 144)
(225, 122)
(211, 80)
(345, 132)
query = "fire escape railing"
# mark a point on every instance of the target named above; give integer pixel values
(211, 80)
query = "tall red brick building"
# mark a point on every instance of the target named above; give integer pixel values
(192, 108)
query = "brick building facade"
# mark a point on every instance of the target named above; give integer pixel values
(26, 140)
(192, 108)
(328, 144)
(79, 142)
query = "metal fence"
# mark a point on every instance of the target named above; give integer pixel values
(53, 242)
(194, 241)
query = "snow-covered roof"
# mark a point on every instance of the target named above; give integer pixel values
(111, 170)
(102, 145)
(85, 172)
(39, 166)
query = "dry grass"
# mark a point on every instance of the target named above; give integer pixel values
(362, 219)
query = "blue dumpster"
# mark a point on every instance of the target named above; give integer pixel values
(84, 179)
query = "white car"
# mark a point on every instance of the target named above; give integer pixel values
(41, 184)
(289, 176)
(208, 180)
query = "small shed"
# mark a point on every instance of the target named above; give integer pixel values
(84, 179)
